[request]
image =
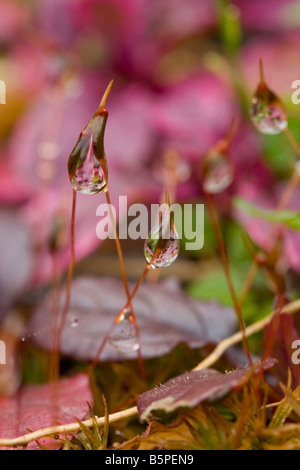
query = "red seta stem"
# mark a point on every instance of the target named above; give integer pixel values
(117, 319)
(125, 282)
(56, 346)
(226, 266)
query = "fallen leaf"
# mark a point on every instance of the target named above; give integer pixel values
(33, 408)
(191, 388)
(15, 257)
(166, 316)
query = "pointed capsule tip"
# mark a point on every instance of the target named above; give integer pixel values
(261, 71)
(105, 95)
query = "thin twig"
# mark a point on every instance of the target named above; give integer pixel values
(225, 344)
(65, 428)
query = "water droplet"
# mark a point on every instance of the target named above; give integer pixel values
(266, 109)
(267, 112)
(163, 241)
(217, 171)
(23, 339)
(123, 335)
(74, 322)
(89, 177)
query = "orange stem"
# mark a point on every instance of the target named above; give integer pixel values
(125, 281)
(225, 261)
(128, 304)
(68, 284)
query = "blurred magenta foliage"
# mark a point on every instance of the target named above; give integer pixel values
(181, 71)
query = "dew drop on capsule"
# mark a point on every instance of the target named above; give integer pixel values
(267, 112)
(123, 335)
(217, 172)
(164, 241)
(89, 177)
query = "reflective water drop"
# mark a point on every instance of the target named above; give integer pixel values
(123, 335)
(74, 322)
(217, 171)
(87, 165)
(89, 177)
(163, 241)
(267, 112)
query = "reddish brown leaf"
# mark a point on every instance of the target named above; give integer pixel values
(191, 388)
(165, 315)
(33, 408)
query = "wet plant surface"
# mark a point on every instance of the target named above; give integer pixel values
(121, 334)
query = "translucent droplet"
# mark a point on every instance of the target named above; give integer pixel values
(123, 335)
(217, 172)
(74, 322)
(163, 241)
(266, 110)
(89, 177)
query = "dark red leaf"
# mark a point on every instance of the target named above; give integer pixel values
(33, 408)
(165, 315)
(191, 388)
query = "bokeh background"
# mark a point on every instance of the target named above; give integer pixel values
(182, 71)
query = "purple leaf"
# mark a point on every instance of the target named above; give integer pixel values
(15, 257)
(33, 408)
(191, 388)
(165, 315)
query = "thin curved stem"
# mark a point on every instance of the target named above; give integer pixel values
(125, 281)
(225, 261)
(225, 344)
(56, 346)
(117, 319)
